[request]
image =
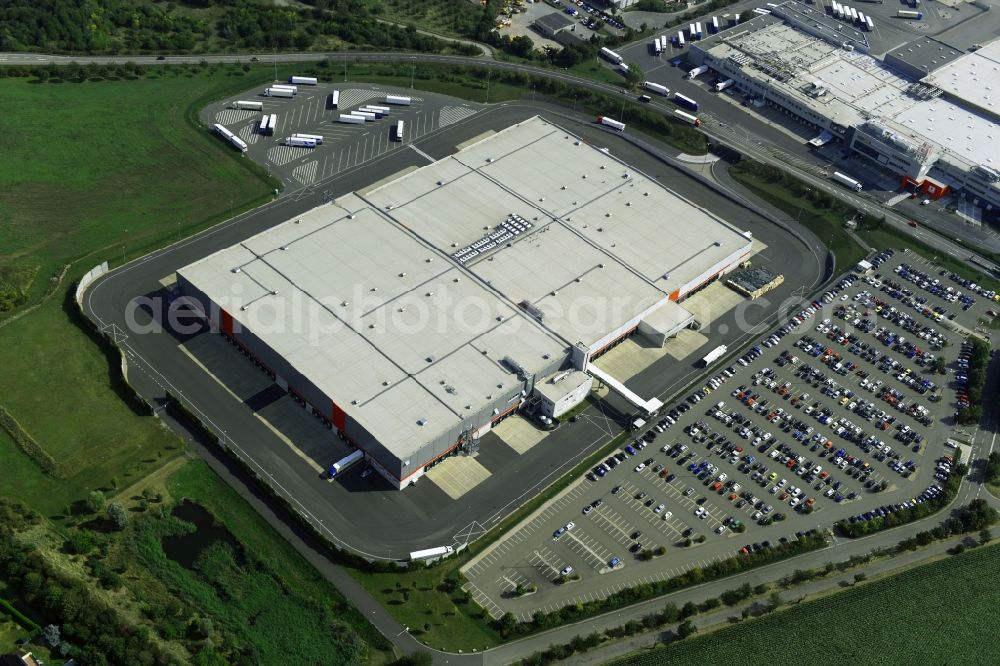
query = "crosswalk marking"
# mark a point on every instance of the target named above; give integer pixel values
(305, 173)
(453, 114)
(228, 116)
(249, 133)
(356, 96)
(280, 155)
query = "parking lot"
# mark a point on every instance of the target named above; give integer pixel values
(839, 412)
(343, 145)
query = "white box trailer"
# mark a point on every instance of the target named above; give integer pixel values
(611, 122)
(680, 39)
(300, 142)
(697, 29)
(907, 14)
(334, 99)
(351, 119)
(303, 80)
(344, 463)
(283, 86)
(692, 33)
(611, 55)
(687, 117)
(318, 138)
(399, 131)
(265, 121)
(367, 115)
(384, 109)
(714, 28)
(696, 72)
(722, 85)
(431, 553)
(870, 22)
(278, 92)
(714, 355)
(854, 15)
(623, 68)
(236, 141)
(861, 19)
(657, 88)
(367, 109)
(847, 181)
(251, 106)
(398, 100)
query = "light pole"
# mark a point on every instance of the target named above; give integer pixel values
(489, 73)
(345, 68)
(413, 68)
(274, 59)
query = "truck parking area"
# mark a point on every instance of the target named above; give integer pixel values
(840, 411)
(314, 111)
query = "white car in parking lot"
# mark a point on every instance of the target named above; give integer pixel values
(567, 570)
(659, 508)
(668, 515)
(640, 467)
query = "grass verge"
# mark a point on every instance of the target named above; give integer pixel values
(816, 211)
(906, 614)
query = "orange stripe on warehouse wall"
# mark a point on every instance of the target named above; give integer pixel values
(226, 322)
(338, 417)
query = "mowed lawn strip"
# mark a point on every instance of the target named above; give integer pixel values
(932, 614)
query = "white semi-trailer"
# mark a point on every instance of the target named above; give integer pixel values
(907, 14)
(283, 86)
(383, 109)
(334, 99)
(623, 67)
(398, 100)
(722, 85)
(236, 141)
(687, 117)
(611, 55)
(431, 553)
(696, 72)
(351, 119)
(344, 464)
(315, 137)
(611, 122)
(714, 355)
(714, 28)
(657, 88)
(847, 181)
(251, 106)
(399, 131)
(300, 142)
(680, 39)
(367, 109)
(278, 92)
(303, 80)
(367, 115)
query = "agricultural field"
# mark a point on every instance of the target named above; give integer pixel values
(931, 614)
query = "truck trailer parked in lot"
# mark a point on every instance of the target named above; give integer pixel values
(344, 464)
(431, 553)
(398, 136)
(713, 355)
(334, 99)
(610, 122)
(379, 113)
(398, 100)
(315, 137)
(352, 119)
(300, 142)
(907, 14)
(282, 86)
(303, 80)
(696, 72)
(252, 106)
(847, 181)
(685, 101)
(687, 117)
(237, 142)
(278, 92)
(267, 123)
(612, 56)
(657, 88)
(367, 115)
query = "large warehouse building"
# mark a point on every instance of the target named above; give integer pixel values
(414, 316)
(926, 114)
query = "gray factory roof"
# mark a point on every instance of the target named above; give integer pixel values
(363, 297)
(554, 22)
(858, 88)
(925, 54)
(974, 78)
(561, 383)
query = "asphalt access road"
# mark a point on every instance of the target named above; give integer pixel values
(393, 523)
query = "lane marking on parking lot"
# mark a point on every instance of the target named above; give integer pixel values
(414, 148)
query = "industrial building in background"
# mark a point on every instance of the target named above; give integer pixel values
(928, 113)
(413, 317)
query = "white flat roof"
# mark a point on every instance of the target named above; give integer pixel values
(974, 77)
(363, 297)
(958, 131)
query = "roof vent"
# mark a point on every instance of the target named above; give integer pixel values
(603, 167)
(422, 422)
(374, 289)
(274, 292)
(430, 359)
(430, 259)
(584, 175)
(576, 143)
(429, 294)
(354, 402)
(499, 317)
(600, 265)
(237, 269)
(385, 382)
(371, 325)
(403, 274)
(284, 247)
(244, 307)
(455, 280)
(345, 303)
(297, 221)
(401, 310)
(350, 216)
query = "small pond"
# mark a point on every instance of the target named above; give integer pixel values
(185, 548)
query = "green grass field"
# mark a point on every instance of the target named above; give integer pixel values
(932, 614)
(826, 224)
